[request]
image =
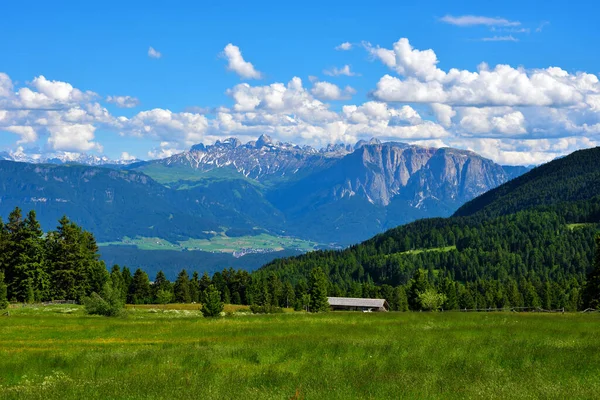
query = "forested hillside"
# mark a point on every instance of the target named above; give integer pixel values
(529, 242)
(571, 178)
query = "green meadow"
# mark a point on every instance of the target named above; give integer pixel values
(58, 352)
(220, 243)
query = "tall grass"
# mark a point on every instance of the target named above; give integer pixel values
(46, 354)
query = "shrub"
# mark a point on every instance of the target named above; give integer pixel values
(109, 304)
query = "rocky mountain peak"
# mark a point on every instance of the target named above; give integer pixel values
(263, 140)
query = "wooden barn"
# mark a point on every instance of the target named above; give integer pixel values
(356, 304)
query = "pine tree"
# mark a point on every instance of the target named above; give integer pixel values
(400, 299)
(591, 294)
(181, 288)
(195, 288)
(161, 283)
(289, 295)
(127, 281)
(213, 305)
(318, 284)
(418, 285)
(3, 293)
(275, 289)
(76, 270)
(205, 282)
(140, 288)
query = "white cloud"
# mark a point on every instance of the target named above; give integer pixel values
(501, 86)
(75, 137)
(123, 101)
(443, 113)
(6, 85)
(473, 20)
(237, 64)
(27, 133)
(330, 91)
(345, 70)
(164, 125)
(125, 156)
(344, 46)
(508, 38)
(153, 53)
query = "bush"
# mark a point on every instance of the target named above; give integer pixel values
(108, 304)
(256, 309)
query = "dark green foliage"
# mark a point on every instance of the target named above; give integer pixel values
(572, 178)
(592, 288)
(139, 290)
(213, 306)
(181, 288)
(73, 255)
(195, 289)
(108, 303)
(63, 265)
(3, 292)
(161, 284)
(317, 286)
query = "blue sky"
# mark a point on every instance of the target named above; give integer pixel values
(72, 55)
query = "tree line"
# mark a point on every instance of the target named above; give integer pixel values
(523, 260)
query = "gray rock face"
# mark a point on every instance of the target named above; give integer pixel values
(382, 172)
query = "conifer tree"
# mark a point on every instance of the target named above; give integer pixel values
(195, 288)
(317, 284)
(3, 292)
(205, 282)
(161, 283)
(140, 288)
(401, 301)
(289, 295)
(181, 288)
(213, 306)
(591, 295)
(127, 281)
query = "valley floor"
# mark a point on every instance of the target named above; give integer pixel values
(58, 352)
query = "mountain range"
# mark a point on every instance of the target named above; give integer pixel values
(334, 196)
(528, 242)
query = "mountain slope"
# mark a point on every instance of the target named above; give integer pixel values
(536, 229)
(571, 178)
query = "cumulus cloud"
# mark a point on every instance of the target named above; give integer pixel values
(237, 64)
(502, 86)
(344, 46)
(330, 91)
(473, 20)
(511, 114)
(345, 70)
(153, 53)
(123, 101)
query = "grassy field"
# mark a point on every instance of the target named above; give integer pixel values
(221, 243)
(59, 353)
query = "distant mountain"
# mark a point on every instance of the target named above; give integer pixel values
(63, 158)
(263, 160)
(335, 196)
(529, 242)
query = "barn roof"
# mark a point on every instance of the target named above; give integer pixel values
(356, 302)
